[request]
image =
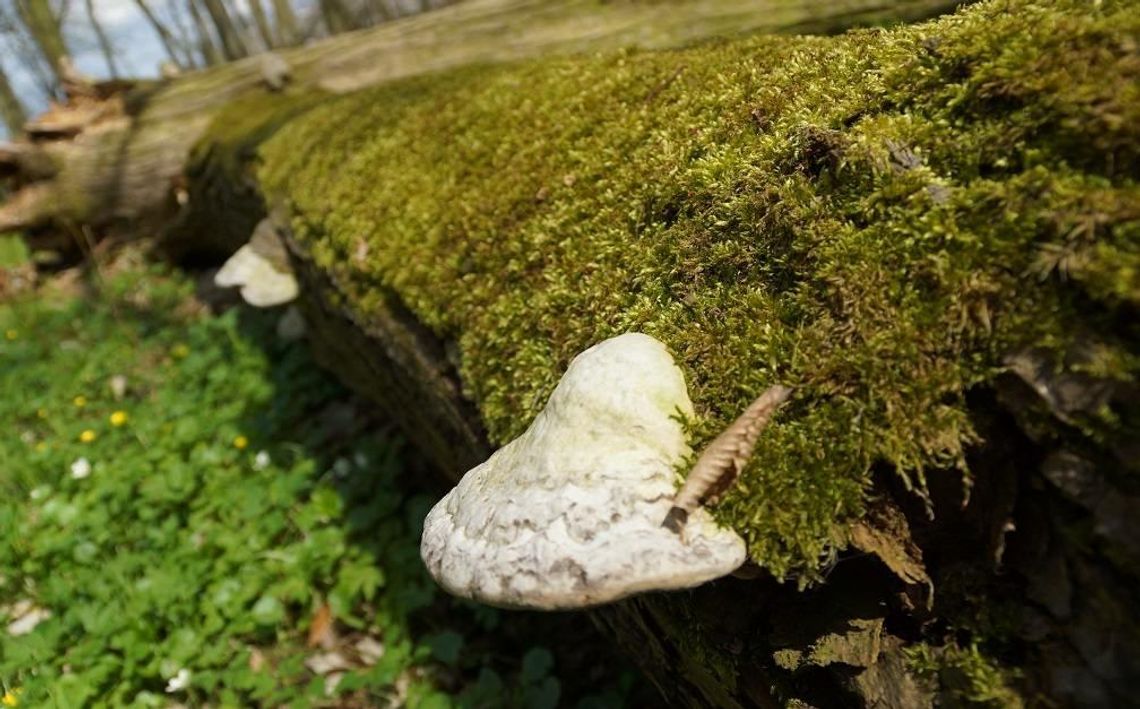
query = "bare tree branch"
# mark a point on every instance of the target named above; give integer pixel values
(232, 45)
(210, 53)
(104, 43)
(169, 42)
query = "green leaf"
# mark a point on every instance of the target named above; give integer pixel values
(543, 696)
(268, 611)
(445, 646)
(536, 664)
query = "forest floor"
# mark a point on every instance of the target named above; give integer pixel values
(192, 513)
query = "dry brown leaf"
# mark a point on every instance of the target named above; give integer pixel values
(321, 630)
(721, 462)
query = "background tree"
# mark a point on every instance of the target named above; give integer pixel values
(261, 21)
(204, 41)
(175, 49)
(338, 18)
(286, 23)
(43, 25)
(105, 47)
(11, 110)
(228, 33)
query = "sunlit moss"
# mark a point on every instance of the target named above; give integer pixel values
(966, 677)
(877, 218)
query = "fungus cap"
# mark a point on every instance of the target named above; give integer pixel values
(261, 269)
(569, 514)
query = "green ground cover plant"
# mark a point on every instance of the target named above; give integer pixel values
(180, 496)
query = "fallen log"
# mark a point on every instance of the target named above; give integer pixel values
(927, 230)
(125, 164)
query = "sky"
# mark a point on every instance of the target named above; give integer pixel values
(137, 49)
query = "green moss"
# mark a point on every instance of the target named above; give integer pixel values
(244, 123)
(877, 218)
(966, 676)
(227, 203)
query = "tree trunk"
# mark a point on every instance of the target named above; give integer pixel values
(459, 241)
(232, 45)
(43, 26)
(262, 22)
(206, 46)
(11, 110)
(285, 22)
(128, 170)
(336, 16)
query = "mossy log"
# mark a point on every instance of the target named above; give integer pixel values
(123, 160)
(932, 231)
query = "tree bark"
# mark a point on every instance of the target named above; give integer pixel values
(169, 42)
(126, 171)
(261, 21)
(206, 46)
(43, 26)
(232, 45)
(11, 110)
(337, 16)
(285, 23)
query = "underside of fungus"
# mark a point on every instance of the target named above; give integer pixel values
(570, 513)
(261, 269)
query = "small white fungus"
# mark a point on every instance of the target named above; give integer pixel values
(261, 269)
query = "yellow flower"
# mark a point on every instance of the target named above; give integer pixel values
(180, 350)
(80, 401)
(11, 335)
(41, 447)
(241, 442)
(118, 418)
(87, 436)
(41, 413)
(10, 699)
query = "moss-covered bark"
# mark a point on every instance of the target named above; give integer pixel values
(880, 219)
(125, 168)
(932, 231)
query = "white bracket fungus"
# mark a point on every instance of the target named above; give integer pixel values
(570, 513)
(261, 269)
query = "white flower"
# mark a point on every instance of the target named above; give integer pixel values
(178, 682)
(118, 385)
(26, 617)
(261, 461)
(81, 468)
